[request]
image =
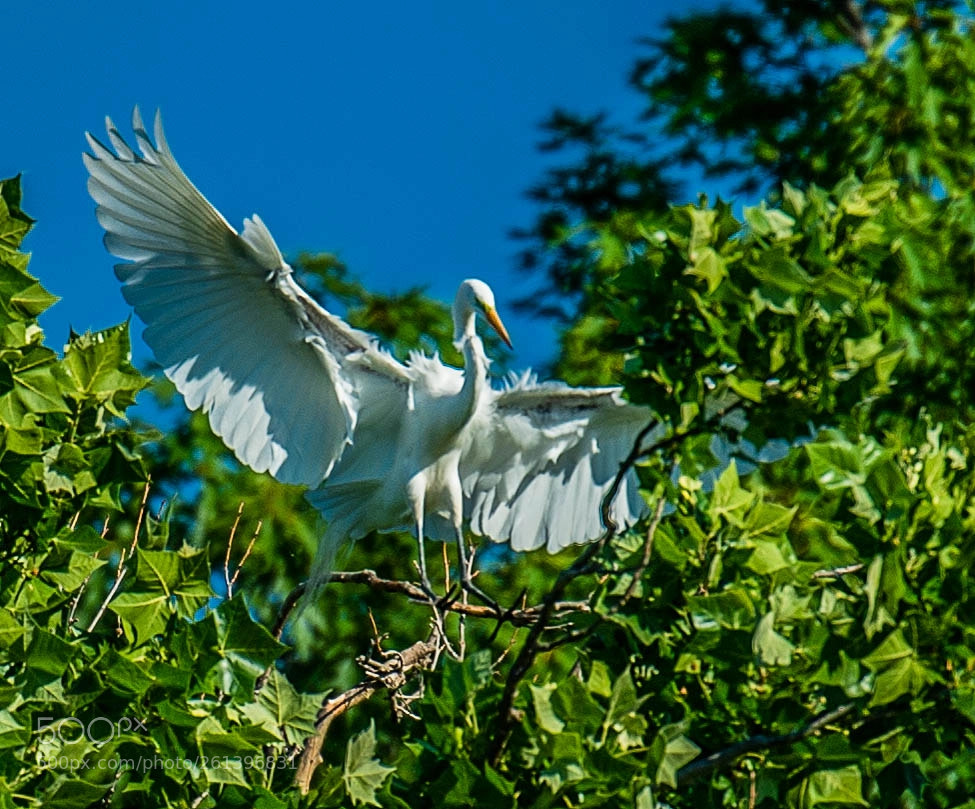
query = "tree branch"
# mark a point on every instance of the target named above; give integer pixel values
(851, 20)
(722, 758)
(518, 617)
(390, 674)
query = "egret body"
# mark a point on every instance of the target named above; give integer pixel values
(295, 391)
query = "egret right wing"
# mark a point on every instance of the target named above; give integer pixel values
(280, 378)
(541, 459)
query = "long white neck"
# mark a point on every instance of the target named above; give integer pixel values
(475, 361)
(475, 373)
(464, 316)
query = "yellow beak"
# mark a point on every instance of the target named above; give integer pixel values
(491, 316)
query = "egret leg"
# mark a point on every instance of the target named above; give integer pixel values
(466, 580)
(422, 555)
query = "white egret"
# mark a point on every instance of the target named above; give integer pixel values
(295, 391)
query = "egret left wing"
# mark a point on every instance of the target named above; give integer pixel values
(542, 458)
(283, 382)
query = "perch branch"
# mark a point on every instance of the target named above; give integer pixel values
(390, 674)
(518, 617)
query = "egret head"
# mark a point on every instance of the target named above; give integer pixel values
(475, 297)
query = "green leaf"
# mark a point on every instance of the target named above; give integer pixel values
(892, 649)
(599, 682)
(283, 711)
(364, 774)
(769, 518)
(14, 223)
(645, 799)
(624, 699)
(768, 221)
(73, 570)
(729, 500)
(12, 733)
(33, 299)
(225, 770)
(183, 576)
(574, 703)
(709, 267)
(544, 713)
(843, 786)
(10, 629)
(906, 676)
(72, 793)
(732, 609)
(248, 646)
(767, 558)
(38, 391)
(771, 648)
(750, 389)
(98, 365)
(48, 653)
(144, 613)
(126, 676)
(672, 749)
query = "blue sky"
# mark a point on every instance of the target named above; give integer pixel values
(401, 136)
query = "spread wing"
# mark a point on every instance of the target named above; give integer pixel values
(541, 459)
(282, 381)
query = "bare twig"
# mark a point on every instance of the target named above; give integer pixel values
(78, 596)
(247, 552)
(641, 568)
(122, 570)
(390, 674)
(606, 507)
(507, 650)
(230, 547)
(141, 516)
(530, 648)
(200, 798)
(81, 590)
(722, 758)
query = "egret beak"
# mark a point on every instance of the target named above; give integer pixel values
(491, 316)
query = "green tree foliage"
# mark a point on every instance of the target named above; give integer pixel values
(794, 632)
(803, 93)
